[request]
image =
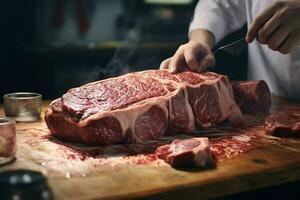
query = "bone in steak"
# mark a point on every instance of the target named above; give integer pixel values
(187, 152)
(142, 106)
(253, 97)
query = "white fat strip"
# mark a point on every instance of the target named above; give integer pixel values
(242, 138)
(229, 107)
(204, 99)
(203, 109)
(127, 116)
(180, 86)
(173, 149)
(202, 153)
(191, 126)
(136, 106)
(225, 93)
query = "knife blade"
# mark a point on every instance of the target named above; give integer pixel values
(230, 46)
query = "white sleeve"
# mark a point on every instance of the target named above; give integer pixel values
(220, 17)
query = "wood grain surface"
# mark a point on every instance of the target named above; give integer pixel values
(267, 166)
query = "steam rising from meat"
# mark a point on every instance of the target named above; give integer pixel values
(120, 62)
(130, 56)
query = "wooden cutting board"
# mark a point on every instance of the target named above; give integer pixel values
(267, 166)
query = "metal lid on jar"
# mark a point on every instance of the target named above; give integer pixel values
(23, 106)
(6, 121)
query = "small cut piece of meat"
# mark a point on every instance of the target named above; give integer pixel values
(186, 152)
(283, 124)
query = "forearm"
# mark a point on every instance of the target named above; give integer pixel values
(219, 17)
(204, 37)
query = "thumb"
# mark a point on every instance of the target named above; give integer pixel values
(208, 61)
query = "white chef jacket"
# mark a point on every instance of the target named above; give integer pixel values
(221, 17)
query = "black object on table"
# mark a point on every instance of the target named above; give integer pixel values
(23, 185)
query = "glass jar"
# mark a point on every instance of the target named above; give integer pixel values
(23, 106)
(7, 140)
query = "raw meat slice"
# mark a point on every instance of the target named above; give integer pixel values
(283, 124)
(253, 97)
(239, 142)
(142, 106)
(187, 152)
(209, 95)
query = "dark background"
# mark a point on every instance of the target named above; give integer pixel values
(36, 59)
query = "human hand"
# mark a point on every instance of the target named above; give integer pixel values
(278, 26)
(193, 56)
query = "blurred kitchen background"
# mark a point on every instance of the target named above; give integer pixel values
(51, 46)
